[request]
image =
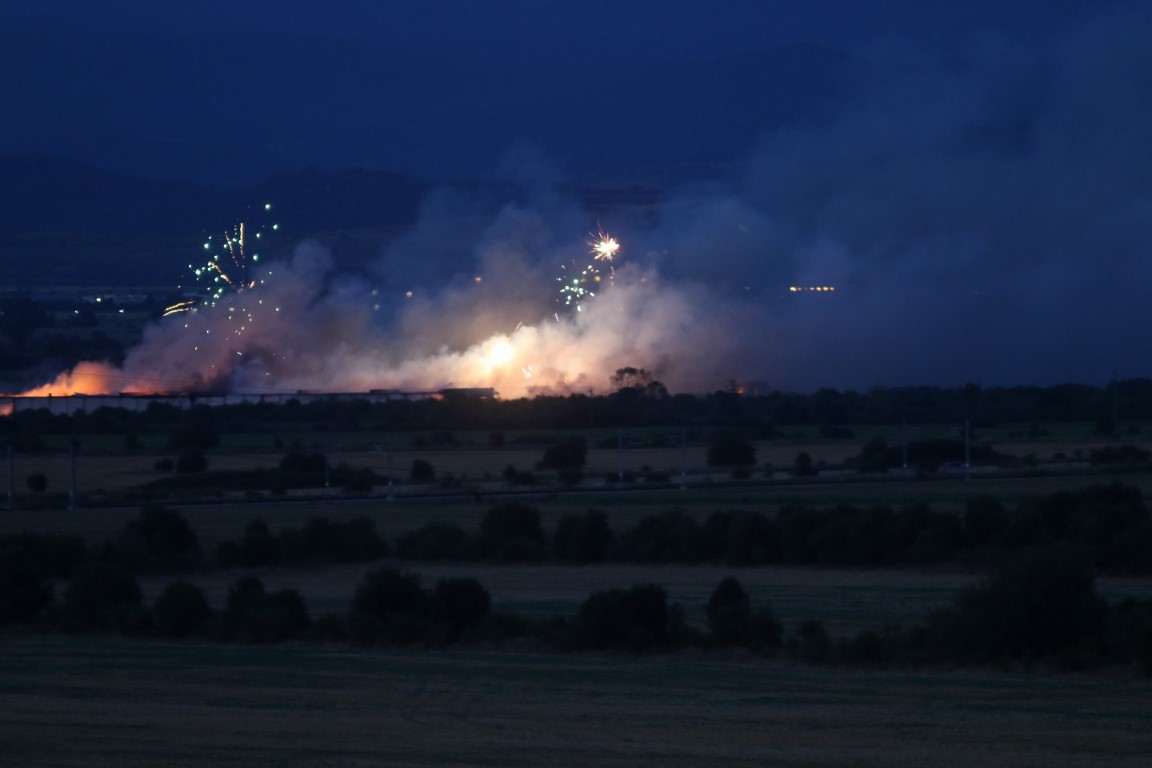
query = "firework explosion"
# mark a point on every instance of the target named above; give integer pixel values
(296, 326)
(604, 246)
(232, 258)
(579, 284)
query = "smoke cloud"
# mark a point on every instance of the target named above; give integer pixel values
(983, 216)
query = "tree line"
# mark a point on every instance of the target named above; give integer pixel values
(1038, 609)
(832, 412)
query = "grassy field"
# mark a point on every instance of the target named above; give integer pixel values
(96, 702)
(847, 601)
(102, 466)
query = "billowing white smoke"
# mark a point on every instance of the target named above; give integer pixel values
(983, 218)
(307, 328)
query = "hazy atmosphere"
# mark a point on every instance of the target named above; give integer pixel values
(970, 187)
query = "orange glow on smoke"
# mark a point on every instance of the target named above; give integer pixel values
(87, 379)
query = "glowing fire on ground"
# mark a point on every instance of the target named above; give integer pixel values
(306, 329)
(91, 379)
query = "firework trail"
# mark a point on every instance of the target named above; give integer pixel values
(578, 284)
(308, 329)
(604, 246)
(232, 259)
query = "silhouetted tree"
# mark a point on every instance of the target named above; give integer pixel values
(180, 610)
(37, 482)
(512, 532)
(458, 604)
(566, 454)
(422, 472)
(729, 612)
(158, 540)
(635, 619)
(582, 538)
(730, 450)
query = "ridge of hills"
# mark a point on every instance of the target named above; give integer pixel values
(64, 223)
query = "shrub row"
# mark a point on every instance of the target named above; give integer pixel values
(319, 541)
(1108, 524)
(1042, 609)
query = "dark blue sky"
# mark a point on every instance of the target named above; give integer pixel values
(975, 177)
(230, 91)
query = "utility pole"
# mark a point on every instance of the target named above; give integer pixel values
(904, 449)
(73, 503)
(967, 450)
(11, 478)
(1115, 408)
(391, 498)
(683, 461)
(620, 453)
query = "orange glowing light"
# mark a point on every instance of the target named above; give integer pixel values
(89, 379)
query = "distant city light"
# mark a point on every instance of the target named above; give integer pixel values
(811, 288)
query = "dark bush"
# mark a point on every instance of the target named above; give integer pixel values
(254, 615)
(196, 434)
(985, 521)
(180, 610)
(159, 540)
(670, 537)
(570, 476)
(1130, 633)
(1041, 605)
(811, 644)
(582, 538)
(512, 533)
(437, 541)
(37, 482)
(764, 630)
(422, 472)
(191, 460)
(257, 548)
(24, 590)
(729, 612)
(323, 541)
(1119, 455)
(869, 648)
(459, 604)
(387, 591)
(390, 607)
(741, 538)
(100, 595)
(566, 454)
(635, 619)
(299, 462)
(730, 450)
(51, 554)
(516, 477)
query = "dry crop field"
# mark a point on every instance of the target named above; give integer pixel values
(94, 702)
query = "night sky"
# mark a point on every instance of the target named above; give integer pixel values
(975, 179)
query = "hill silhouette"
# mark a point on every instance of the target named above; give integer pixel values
(66, 223)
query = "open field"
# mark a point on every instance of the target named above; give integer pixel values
(101, 701)
(102, 466)
(623, 504)
(847, 601)
(96, 702)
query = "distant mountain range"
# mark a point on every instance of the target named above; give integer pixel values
(232, 107)
(66, 223)
(40, 193)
